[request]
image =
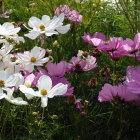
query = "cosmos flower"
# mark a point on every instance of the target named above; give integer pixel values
(133, 45)
(94, 39)
(47, 26)
(133, 79)
(34, 58)
(85, 64)
(9, 79)
(45, 90)
(8, 31)
(71, 15)
(58, 69)
(116, 47)
(10, 98)
(113, 93)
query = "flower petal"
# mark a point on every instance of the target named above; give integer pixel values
(44, 82)
(58, 89)
(44, 101)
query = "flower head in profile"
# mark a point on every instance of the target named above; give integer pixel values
(133, 45)
(58, 69)
(94, 39)
(133, 79)
(9, 79)
(115, 93)
(10, 98)
(47, 26)
(45, 90)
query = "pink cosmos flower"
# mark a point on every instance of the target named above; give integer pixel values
(58, 69)
(75, 17)
(77, 64)
(86, 64)
(94, 39)
(115, 46)
(133, 45)
(90, 63)
(109, 93)
(133, 79)
(63, 9)
(71, 15)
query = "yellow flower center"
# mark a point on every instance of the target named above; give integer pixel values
(42, 27)
(43, 92)
(33, 59)
(1, 83)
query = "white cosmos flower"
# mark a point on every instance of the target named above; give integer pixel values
(12, 59)
(35, 57)
(9, 97)
(45, 90)
(47, 26)
(8, 80)
(8, 31)
(5, 50)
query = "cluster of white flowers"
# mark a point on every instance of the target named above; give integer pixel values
(13, 64)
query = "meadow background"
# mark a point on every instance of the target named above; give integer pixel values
(61, 120)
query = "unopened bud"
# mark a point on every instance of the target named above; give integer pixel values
(33, 5)
(34, 113)
(48, 52)
(54, 117)
(83, 113)
(92, 82)
(55, 43)
(71, 98)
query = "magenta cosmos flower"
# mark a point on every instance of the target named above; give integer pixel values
(110, 93)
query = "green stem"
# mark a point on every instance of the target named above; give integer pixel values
(43, 114)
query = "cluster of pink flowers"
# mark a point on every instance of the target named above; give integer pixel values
(71, 15)
(115, 46)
